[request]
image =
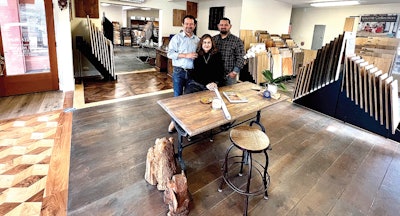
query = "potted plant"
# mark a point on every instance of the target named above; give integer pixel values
(274, 84)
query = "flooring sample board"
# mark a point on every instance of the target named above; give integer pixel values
(298, 58)
(309, 56)
(349, 24)
(338, 56)
(387, 102)
(377, 73)
(369, 88)
(314, 74)
(384, 64)
(353, 76)
(373, 74)
(299, 82)
(394, 105)
(322, 67)
(287, 66)
(349, 72)
(329, 66)
(382, 79)
(307, 88)
(277, 65)
(363, 76)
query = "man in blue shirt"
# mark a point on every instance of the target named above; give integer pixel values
(182, 51)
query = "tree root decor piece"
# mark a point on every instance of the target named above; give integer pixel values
(176, 196)
(160, 163)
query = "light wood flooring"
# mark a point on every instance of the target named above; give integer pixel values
(318, 165)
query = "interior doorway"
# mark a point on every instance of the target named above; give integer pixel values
(318, 37)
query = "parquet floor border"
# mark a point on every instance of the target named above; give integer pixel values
(34, 164)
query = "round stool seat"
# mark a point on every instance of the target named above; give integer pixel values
(248, 138)
(250, 141)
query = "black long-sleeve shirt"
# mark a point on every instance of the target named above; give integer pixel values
(208, 68)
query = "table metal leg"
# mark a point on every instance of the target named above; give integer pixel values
(180, 150)
(257, 121)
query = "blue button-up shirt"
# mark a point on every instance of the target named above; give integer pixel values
(180, 43)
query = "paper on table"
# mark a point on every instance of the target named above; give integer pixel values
(224, 109)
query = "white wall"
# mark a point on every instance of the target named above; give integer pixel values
(64, 48)
(232, 10)
(269, 15)
(113, 13)
(304, 19)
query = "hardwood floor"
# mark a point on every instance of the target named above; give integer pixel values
(318, 165)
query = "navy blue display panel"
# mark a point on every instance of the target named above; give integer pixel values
(331, 101)
(323, 100)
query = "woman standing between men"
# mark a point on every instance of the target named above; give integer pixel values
(182, 51)
(208, 70)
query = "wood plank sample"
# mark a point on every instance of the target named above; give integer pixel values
(277, 66)
(339, 51)
(382, 79)
(373, 72)
(394, 105)
(353, 76)
(349, 24)
(309, 56)
(287, 66)
(87, 8)
(376, 74)
(387, 102)
(178, 17)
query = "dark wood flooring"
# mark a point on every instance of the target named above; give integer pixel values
(318, 165)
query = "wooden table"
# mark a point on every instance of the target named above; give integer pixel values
(163, 63)
(193, 117)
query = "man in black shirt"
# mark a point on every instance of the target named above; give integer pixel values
(232, 50)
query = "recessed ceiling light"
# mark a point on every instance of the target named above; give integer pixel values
(128, 7)
(334, 3)
(105, 4)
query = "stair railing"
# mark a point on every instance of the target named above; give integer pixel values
(102, 48)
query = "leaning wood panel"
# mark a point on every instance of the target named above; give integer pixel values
(387, 102)
(309, 56)
(373, 72)
(382, 80)
(394, 105)
(375, 79)
(383, 64)
(339, 52)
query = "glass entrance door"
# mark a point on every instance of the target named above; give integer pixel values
(30, 63)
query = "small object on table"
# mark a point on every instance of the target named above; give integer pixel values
(276, 96)
(206, 100)
(216, 103)
(267, 94)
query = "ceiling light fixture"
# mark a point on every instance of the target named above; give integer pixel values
(105, 4)
(334, 3)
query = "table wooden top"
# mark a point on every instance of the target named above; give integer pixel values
(195, 117)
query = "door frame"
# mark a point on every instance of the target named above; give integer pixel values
(37, 82)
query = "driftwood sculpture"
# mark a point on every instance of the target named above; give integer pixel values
(160, 163)
(177, 196)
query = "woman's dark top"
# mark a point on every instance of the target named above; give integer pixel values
(208, 68)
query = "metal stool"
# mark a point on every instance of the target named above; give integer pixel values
(249, 140)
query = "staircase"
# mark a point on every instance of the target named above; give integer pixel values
(98, 50)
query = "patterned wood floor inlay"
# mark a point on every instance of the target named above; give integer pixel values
(26, 146)
(129, 84)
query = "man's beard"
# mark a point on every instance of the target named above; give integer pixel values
(223, 32)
